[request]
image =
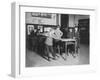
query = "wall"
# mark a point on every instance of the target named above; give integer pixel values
(73, 19)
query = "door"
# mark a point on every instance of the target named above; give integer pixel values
(84, 30)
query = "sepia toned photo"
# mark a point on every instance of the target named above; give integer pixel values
(56, 39)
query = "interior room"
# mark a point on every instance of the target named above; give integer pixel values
(54, 39)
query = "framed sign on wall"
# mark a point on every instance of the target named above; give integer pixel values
(34, 54)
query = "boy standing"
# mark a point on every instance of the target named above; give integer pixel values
(49, 44)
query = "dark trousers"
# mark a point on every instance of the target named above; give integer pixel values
(49, 49)
(59, 46)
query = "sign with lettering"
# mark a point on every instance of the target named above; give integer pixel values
(42, 15)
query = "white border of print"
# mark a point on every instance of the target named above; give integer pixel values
(18, 41)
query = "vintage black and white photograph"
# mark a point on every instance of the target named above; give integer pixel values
(56, 39)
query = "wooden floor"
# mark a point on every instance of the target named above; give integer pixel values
(33, 59)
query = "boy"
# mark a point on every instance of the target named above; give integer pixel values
(49, 44)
